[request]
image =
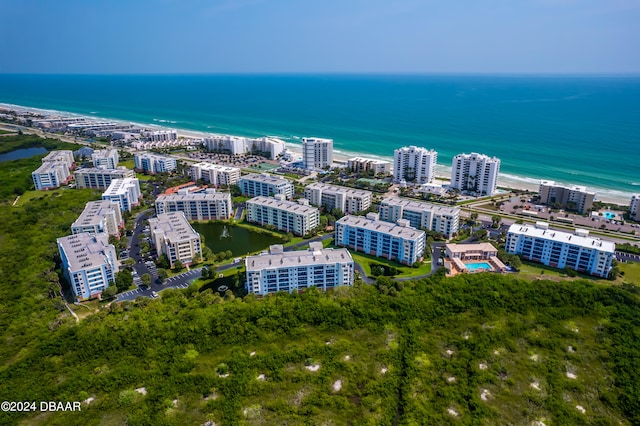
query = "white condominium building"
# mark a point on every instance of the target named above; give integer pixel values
(172, 235)
(430, 217)
(100, 178)
(49, 175)
(99, 217)
(125, 192)
(54, 171)
(154, 163)
(288, 216)
(414, 164)
(235, 145)
(63, 156)
(634, 208)
(475, 173)
(317, 153)
(89, 263)
(560, 249)
(161, 135)
(254, 185)
(202, 205)
(298, 270)
(107, 158)
(359, 165)
(269, 147)
(568, 197)
(369, 235)
(346, 200)
(215, 174)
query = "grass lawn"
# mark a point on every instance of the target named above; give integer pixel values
(406, 271)
(129, 164)
(631, 272)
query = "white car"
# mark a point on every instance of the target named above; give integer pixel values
(154, 294)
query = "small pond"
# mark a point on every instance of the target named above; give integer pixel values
(221, 237)
(22, 153)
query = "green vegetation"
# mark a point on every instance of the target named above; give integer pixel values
(474, 349)
(16, 174)
(403, 271)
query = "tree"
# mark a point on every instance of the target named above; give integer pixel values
(146, 279)
(162, 273)
(124, 279)
(109, 292)
(178, 266)
(163, 261)
(495, 221)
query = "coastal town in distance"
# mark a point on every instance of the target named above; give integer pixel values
(336, 216)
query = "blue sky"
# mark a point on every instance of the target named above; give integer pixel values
(316, 36)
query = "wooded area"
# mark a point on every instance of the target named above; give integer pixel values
(479, 348)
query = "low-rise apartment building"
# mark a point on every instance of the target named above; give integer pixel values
(360, 165)
(399, 242)
(265, 185)
(172, 235)
(50, 175)
(295, 217)
(205, 204)
(346, 200)
(215, 174)
(570, 197)
(427, 216)
(101, 178)
(298, 270)
(99, 217)
(560, 249)
(125, 192)
(89, 263)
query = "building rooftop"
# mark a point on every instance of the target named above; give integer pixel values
(579, 238)
(117, 171)
(62, 155)
(207, 194)
(152, 156)
(265, 178)
(47, 167)
(174, 226)
(313, 256)
(290, 206)
(418, 205)
(463, 248)
(339, 189)
(368, 160)
(84, 250)
(569, 187)
(219, 167)
(405, 232)
(119, 186)
(94, 212)
(104, 153)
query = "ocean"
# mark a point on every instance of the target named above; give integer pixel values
(582, 130)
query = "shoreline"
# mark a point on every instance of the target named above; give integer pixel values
(443, 172)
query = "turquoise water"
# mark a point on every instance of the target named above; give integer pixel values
(474, 267)
(578, 130)
(609, 215)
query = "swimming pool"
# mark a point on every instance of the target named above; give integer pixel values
(478, 266)
(610, 215)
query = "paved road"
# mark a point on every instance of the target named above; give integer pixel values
(239, 212)
(179, 281)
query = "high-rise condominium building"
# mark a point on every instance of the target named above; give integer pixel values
(125, 192)
(99, 217)
(266, 185)
(289, 216)
(154, 163)
(317, 153)
(414, 164)
(476, 173)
